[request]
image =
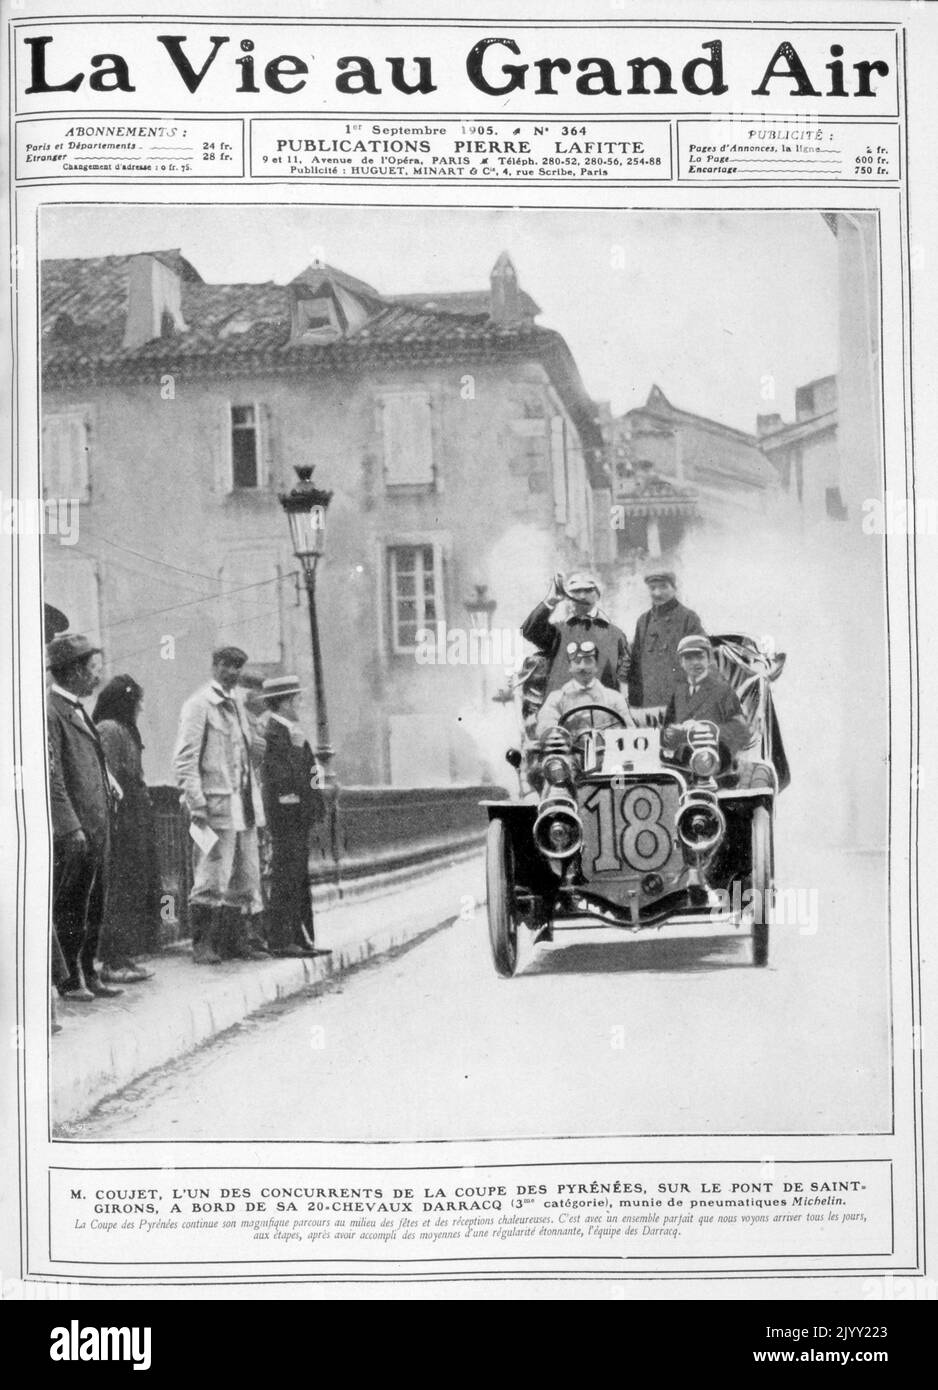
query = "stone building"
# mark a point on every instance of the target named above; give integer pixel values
(805, 453)
(673, 470)
(454, 431)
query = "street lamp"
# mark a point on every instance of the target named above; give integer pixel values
(480, 610)
(306, 507)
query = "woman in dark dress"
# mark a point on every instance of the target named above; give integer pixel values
(131, 919)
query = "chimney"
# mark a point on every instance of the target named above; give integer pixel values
(767, 424)
(154, 301)
(505, 299)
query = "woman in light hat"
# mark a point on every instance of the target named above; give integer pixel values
(293, 802)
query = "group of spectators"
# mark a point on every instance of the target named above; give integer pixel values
(242, 762)
(245, 770)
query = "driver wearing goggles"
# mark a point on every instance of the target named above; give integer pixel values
(584, 688)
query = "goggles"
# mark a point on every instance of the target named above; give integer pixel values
(582, 649)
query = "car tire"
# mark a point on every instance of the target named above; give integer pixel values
(762, 882)
(503, 927)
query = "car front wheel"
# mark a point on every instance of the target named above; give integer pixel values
(503, 927)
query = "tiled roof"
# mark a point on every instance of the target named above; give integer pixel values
(472, 302)
(320, 273)
(229, 321)
(249, 326)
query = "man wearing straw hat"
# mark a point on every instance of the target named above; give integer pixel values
(293, 803)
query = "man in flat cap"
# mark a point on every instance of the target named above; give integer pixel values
(82, 794)
(552, 635)
(213, 767)
(655, 670)
(294, 802)
(703, 694)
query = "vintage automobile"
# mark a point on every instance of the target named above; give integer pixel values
(619, 833)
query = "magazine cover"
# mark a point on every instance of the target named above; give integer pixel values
(467, 615)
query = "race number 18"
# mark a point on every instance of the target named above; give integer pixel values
(629, 829)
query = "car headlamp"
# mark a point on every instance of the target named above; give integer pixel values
(700, 824)
(704, 761)
(556, 770)
(558, 830)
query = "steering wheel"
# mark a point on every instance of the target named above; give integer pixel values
(612, 717)
(588, 718)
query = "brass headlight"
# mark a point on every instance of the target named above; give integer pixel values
(700, 824)
(557, 770)
(704, 762)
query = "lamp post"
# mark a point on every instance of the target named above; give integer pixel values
(306, 507)
(480, 610)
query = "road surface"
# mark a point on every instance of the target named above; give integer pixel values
(600, 1037)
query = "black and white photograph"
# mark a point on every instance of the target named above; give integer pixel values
(469, 519)
(466, 672)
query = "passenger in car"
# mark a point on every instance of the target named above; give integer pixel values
(584, 688)
(703, 694)
(585, 621)
(655, 671)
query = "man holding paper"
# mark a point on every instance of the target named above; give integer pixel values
(212, 764)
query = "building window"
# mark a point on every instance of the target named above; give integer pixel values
(317, 320)
(836, 508)
(407, 431)
(66, 453)
(415, 590)
(245, 446)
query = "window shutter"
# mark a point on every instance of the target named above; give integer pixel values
(78, 456)
(65, 455)
(576, 493)
(52, 431)
(222, 469)
(558, 469)
(265, 446)
(407, 428)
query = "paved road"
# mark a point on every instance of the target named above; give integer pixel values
(595, 1038)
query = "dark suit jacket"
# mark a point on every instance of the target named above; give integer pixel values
(655, 672)
(552, 638)
(291, 802)
(716, 700)
(78, 784)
